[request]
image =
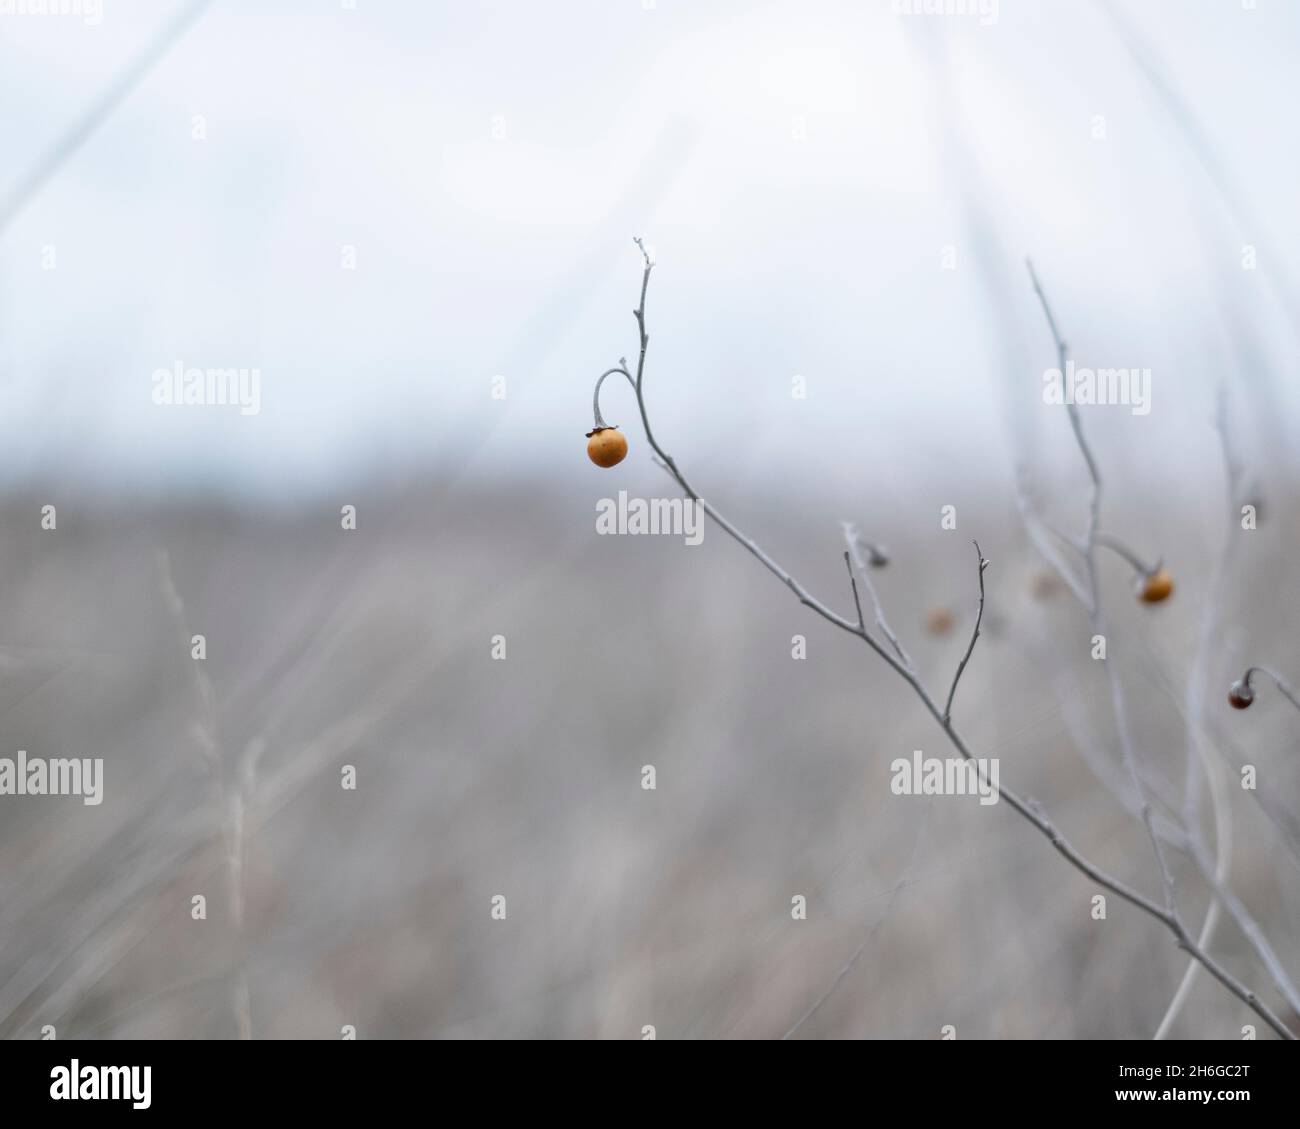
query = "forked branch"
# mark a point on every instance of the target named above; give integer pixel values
(1028, 810)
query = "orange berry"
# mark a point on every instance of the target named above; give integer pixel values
(606, 446)
(1156, 586)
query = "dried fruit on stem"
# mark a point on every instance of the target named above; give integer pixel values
(1240, 695)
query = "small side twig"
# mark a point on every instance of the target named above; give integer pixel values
(853, 583)
(1090, 541)
(1026, 809)
(1115, 545)
(854, 542)
(979, 619)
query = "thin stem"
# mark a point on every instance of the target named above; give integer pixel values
(857, 602)
(1115, 545)
(1276, 679)
(595, 396)
(853, 541)
(1072, 409)
(1029, 811)
(1089, 550)
(1038, 531)
(1201, 763)
(979, 618)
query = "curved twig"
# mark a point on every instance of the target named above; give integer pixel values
(1276, 679)
(1029, 810)
(1115, 545)
(595, 396)
(1089, 550)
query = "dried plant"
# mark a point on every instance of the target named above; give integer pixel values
(234, 788)
(884, 642)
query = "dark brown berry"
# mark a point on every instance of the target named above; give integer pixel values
(1240, 695)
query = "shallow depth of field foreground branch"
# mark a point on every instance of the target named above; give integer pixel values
(897, 659)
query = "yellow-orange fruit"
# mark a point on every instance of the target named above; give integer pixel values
(607, 447)
(1156, 586)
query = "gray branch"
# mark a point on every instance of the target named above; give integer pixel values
(1031, 812)
(1089, 550)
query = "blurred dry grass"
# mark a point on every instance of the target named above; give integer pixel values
(522, 778)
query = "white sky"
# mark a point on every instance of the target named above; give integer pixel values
(797, 166)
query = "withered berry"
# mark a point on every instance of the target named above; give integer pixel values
(1240, 695)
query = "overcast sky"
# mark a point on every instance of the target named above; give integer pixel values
(798, 167)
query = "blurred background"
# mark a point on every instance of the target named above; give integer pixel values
(415, 222)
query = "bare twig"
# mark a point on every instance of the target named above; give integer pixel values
(1191, 843)
(979, 618)
(1041, 533)
(1250, 928)
(1199, 761)
(1072, 410)
(1216, 872)
(1030, 811)
(857, 601)
(1184, 837)
(1115, 545)
(854, 542)
(1090, 541)
(621, 367)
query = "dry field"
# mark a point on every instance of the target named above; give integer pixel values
(522, 777)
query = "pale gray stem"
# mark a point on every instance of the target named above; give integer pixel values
(857, 600)
(854, 543)
(1094, 606)
(1032, 813)
(595, 396)
(1115, 545)
(979, 618)
(1200, 761)
(1276, 679)
(1249, 927)
(1040, 533)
